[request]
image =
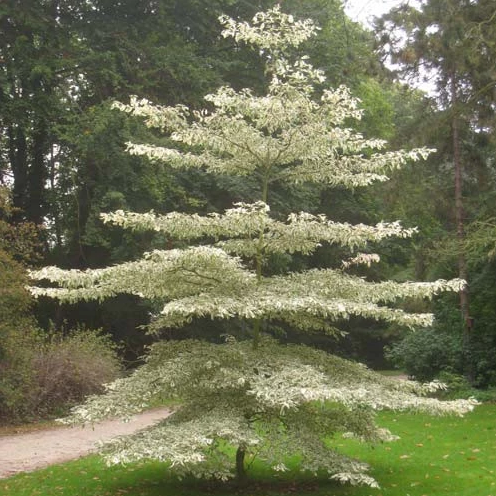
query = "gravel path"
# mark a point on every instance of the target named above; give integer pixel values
(27, 452)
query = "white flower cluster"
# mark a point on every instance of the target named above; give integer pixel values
(273, 303)
(155, 116)
(207, 282)
(239, 229)
(287, 134)
(245, 220)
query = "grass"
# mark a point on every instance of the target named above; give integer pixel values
(447, 456)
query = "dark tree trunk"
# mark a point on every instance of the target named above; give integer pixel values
(54, 207)
(18, 158)
(240, 465)
(84, 197)
(37, 174)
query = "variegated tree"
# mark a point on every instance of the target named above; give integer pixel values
(260, 397)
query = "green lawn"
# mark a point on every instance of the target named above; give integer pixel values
(435, 456)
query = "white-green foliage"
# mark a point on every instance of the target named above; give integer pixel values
(206, 281)
(273, 400)
(261, 397)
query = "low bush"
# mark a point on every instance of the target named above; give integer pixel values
(69, 368)
(18, 338)
(458, 387)
(42, 376)
(426, 353)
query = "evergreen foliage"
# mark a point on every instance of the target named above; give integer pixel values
(452, 43)
(263, 398)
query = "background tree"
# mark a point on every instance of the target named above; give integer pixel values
(264, 398)
(89, 54)
(37, 64)
(448, 41)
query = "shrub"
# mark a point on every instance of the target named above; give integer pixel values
(426, 353)
(459, 388)
(18, 338)
(69, 368)
(42, 375)
(16, 375)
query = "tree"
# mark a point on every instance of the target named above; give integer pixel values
(452, 42)
(90, 53)
(263, 398)
(37, 62)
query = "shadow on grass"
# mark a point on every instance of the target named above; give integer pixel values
(154, 479)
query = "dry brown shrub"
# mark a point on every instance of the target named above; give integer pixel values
(69, 368)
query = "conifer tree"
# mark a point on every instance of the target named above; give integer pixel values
(264, 399)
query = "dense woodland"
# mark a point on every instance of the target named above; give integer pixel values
(63, 162)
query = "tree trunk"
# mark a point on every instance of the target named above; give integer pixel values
(460, 233)
(240, 465)
(37, 173)
(18, 158)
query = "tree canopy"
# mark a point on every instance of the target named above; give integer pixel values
(264, 398)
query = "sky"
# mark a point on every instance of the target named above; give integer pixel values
(364, 10)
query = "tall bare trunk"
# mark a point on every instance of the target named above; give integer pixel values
(37, 172)
(18, 156)
(460, 229)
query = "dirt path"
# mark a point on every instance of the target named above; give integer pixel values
(27, 452)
